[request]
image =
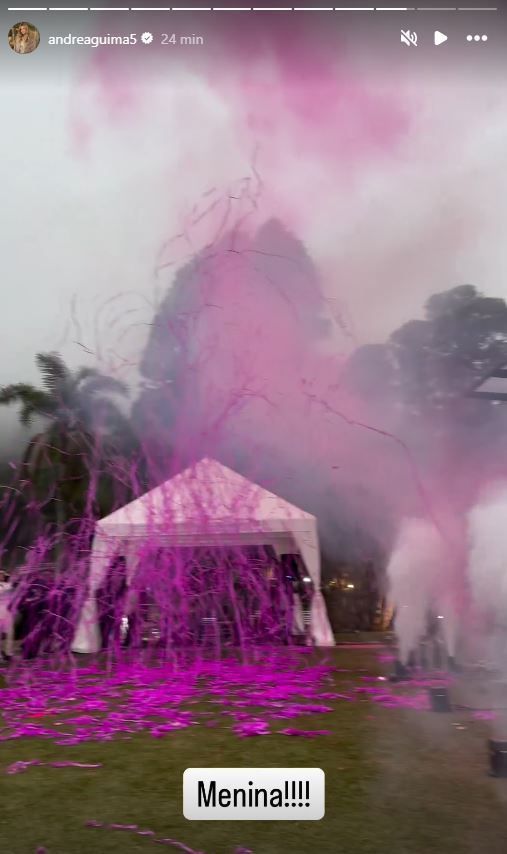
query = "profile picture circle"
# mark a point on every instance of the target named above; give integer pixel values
(24, 37)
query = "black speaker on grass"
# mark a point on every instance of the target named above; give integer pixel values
(497, 757)
(439, 699)
(401, 672)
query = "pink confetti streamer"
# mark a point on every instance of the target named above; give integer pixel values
(23, 765)
(134, 828)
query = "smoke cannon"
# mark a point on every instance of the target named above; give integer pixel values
(497, 757)
(439, 699)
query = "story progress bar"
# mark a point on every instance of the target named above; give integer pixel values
(251, 9)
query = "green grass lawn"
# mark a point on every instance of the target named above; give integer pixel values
(397, 781)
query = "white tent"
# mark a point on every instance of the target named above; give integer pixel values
(204, 505)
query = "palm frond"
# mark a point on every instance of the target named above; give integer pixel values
(33, 400)
(28, 411)
(55, 373)
(15, 392)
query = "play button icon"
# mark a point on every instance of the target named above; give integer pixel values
(440, 38)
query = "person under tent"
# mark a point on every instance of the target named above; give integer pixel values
(6, 619)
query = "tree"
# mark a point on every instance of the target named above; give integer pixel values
(430, 364)
(417, 385)
(203, 306)
(61, 468)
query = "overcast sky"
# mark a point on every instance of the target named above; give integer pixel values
(84, 217)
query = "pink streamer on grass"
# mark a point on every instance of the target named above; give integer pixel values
(23, 765)
(91, 705)
(484, 715)
(252, 728)
(134, 828)
(245, 698)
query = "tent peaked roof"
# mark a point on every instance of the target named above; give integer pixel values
(205, 492)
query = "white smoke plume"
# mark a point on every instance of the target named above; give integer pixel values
(415, 571)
